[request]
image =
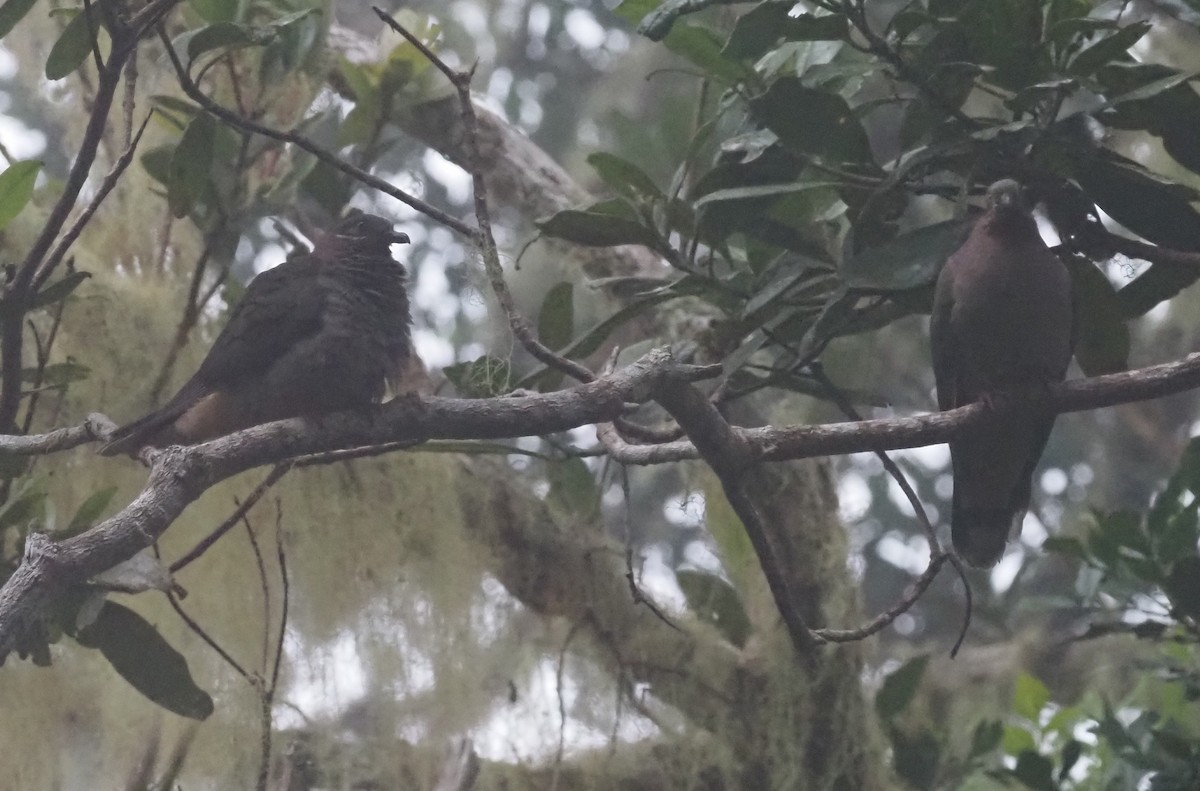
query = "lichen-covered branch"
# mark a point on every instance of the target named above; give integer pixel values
(180, 475)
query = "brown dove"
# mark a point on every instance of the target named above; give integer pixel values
(323, 331)
(1002, 322)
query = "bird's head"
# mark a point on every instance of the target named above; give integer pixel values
(359, 232)
(1007, 195)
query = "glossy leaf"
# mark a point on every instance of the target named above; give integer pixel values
(594, 229)
(909, 260)
(16, 188)
(143, 658)
(826, 128)
(715, 601)
(703, 47)
(1107, 49)
(625, 178)
(220, 35)
(768, 23)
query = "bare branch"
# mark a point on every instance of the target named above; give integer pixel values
(96, 428)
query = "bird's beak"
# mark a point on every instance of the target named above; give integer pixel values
(396, 237)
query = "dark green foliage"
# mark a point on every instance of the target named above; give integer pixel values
(816, 175)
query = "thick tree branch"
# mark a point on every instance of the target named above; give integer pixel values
(731, 458)
(180, 475)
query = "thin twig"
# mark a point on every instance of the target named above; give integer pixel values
(273, 477)
(206, 637)
(937, 555)
(485, 239)
(300, 141)
(106, 186)
(885, 618)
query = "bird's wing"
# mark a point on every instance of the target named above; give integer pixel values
(280, 308)
(941, 338)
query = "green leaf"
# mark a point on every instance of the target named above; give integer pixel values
(191, 164)
(72, 47)
(908, 261)
(1035, 771)
(1102, 337)
(594, 338)
(88, 511)
(59, 374)
(556, 320)
(220, 35)
(703, 48)
(625, 178)
(715, 601)
(58, 290)
(24, 509)
(764, 26)
(573, 489)
(1183, 586)
(595, 229)
(762, 191)
(733, 545)
(157, 162)
(16, 188)
(143, 658)
(900, 687)
(916, 757)
(483, 377)
(1071, 752)
(987, 737)
(827, 127)
(1149, 205)
(1017, 740)
(634, 11)
(1029, 697)
(12, 12)
(1107, 49)
(215, 10)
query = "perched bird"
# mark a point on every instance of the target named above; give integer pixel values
(320, 332)
(1002, 322)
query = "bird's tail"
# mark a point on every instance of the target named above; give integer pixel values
(980, 534)
(132, 437)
